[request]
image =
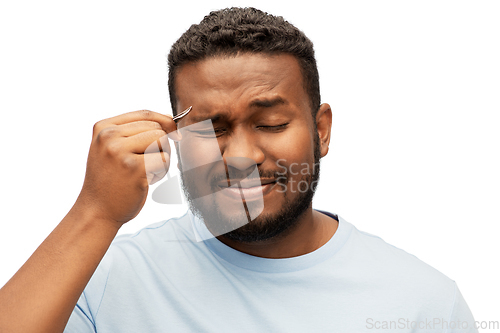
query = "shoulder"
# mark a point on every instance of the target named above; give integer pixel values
(379, 252)
(177, 228)
(396, 271)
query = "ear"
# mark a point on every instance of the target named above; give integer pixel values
(324, 126)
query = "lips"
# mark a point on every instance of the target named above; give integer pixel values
(247, 189)
(245, 183)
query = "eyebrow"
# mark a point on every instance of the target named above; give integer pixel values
(213, 118)
(267, 103)
(259, 103)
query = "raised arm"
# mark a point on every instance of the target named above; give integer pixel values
(42, 294)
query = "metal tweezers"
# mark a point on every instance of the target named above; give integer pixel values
(182, 114)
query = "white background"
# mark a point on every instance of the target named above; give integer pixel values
(414, 87)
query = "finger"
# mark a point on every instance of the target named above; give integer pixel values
(156, 166)
(165, 121)
(160, 145)
(154, 178)
(136, 127)
(147, 142)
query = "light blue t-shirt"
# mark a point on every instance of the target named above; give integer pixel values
(168, 277)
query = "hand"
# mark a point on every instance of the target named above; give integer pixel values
(116, 180)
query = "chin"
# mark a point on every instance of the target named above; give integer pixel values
(275, 215)
(269, 224)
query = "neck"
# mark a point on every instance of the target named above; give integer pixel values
(312, 230)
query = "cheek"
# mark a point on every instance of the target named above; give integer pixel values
(293, 146)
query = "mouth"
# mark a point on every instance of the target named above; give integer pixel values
(247, 189)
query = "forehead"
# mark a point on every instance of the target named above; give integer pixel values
(236, 82)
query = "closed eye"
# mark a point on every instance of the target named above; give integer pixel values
(273, 128)
(209, 132)
(216, 131)
(221, 131)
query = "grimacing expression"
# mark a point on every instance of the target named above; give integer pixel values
(261, 117)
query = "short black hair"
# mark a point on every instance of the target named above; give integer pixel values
(231, 31)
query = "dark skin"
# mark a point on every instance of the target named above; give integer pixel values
(40, 297)
(259, 111)
(42, 294)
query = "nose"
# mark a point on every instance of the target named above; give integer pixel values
(242, 151)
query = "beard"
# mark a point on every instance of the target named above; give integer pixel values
(264, 226)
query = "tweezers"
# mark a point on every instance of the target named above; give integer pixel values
(182, 114)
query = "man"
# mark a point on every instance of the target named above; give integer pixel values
(251, 255)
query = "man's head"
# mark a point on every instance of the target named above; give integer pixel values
(254, 76)
(238, 30)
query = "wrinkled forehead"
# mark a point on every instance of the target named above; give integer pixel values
(245, 81)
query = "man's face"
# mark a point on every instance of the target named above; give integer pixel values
(261, 117)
